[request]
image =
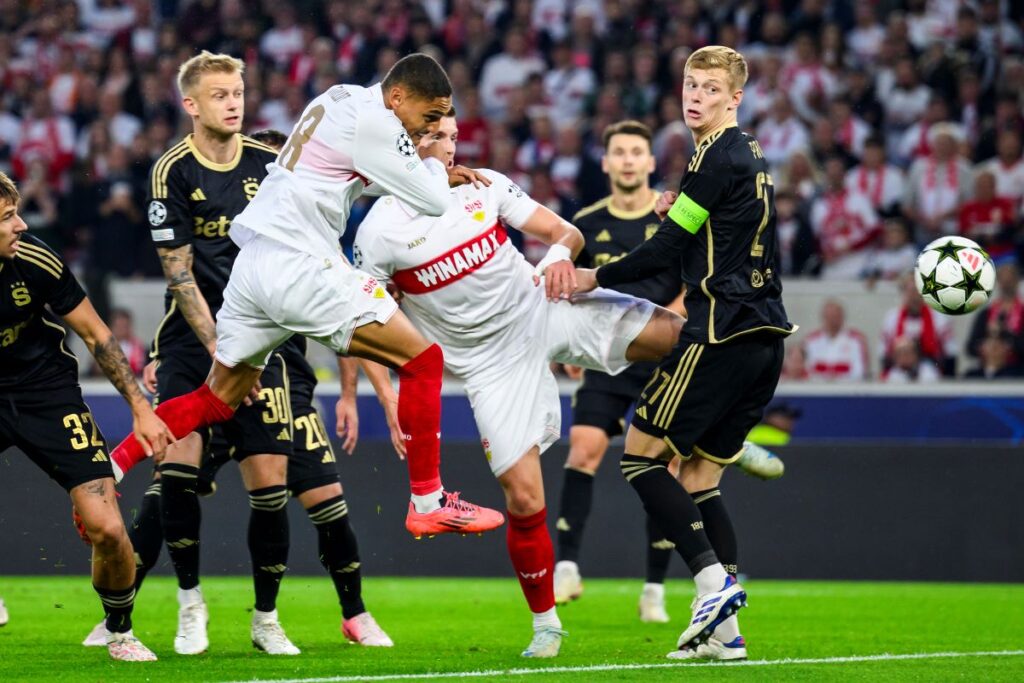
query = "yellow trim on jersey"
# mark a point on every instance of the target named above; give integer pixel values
(155, 353)
(702, 148)
(256, 144)
(717, 132)
(587, 210)
(770, 328)
(38, 262)
(677, 387)
(624, 215)
(213, 165)
(42, 255)
(704, 283)
(698, 451)
(162, 168)
(63, 336)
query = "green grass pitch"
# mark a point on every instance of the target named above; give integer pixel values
(831, 631)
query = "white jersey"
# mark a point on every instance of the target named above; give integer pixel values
(464, 281)
(346, 143)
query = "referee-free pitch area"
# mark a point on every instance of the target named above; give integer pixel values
(449, 629)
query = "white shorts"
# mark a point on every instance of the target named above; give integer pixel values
(511, 388)
(275, 291)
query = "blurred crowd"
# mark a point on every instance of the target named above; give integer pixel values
(886, 122)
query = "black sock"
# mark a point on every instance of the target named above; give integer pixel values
(268, 543)
(179, 512)
(718, 527)
(659, 552)
(146, 533)
(577, 494)
(672, 509)
(117, 605)
(339, 553)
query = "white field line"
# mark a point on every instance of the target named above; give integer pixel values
(639, 667)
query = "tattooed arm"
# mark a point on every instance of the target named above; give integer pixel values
(149, 429)
(177, 265)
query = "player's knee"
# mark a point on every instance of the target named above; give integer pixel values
(699, 475)
(524, 500)
(107, 535)
(585, 456)
(187, 450)
(670, 324)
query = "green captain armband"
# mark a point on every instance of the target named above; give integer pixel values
(688, 214)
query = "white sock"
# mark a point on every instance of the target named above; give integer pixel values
(190, 596)
(710, 579)
(657, 589)
(427, 503)
(547, 619)
(258, 616)
(728, 630)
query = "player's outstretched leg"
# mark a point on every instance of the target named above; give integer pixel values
(531, 551)
(211, 403)
(339, 554)
(420, 368)
(113, 569)
(719, 595)
(652, 596)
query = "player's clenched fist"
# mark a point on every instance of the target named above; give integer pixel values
(664, 203)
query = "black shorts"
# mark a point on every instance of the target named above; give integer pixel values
(602, 399)
(56, 430)
(705, 398)
(312, 463)
(263, 427)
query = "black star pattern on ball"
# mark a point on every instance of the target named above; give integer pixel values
(971, 284)
(949, 250)
(928, 284)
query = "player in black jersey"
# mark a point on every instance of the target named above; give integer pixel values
(612, 227)
(43, 414)
(712, 389)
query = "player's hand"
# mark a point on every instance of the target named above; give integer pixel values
(347, 427)
(664, 203)
(559, 280)
(390, 406)
(151, 432)
(461, 175)
(254, 394)
(573, 371)
(395, 292)
(149, 376)
(586, 280)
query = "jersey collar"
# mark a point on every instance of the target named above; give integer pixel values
(703, 138)
(637, 213)
(213, 165)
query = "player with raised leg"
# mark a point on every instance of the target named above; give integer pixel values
(290, 276)
(467, 286)
(705, 397)
(43, 414)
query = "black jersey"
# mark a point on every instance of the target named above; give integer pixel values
(33, 355)
(610, 234)
(722, 230)
(193, 200)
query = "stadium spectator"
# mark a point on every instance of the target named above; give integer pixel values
(938, 184)
(882, 183)
(507, 70)
(1004, 314)
(776, 426)
(835, 352)
(915, 143)
(1007, 166)
(47, 136)
(135, 351)
(794, 366)
(995, 356)
(895, 256)
(844, 224)
(781, 132)
(932, 333)
(851, 133)
(907, 365)
(797, 246)
(988, 219)
(568, 86)
(865, 39)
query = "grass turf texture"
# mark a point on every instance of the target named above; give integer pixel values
(461, 625)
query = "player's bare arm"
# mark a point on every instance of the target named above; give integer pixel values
(566, 243)
(149, 429)
(345, 410)
(177, 266)
(381, 380)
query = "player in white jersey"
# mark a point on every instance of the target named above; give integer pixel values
(290, 276)
(465, 285)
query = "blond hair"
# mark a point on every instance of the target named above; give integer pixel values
(720, 57)
(8, 190)
(206, 62)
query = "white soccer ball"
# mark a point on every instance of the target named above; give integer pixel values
(954, 275)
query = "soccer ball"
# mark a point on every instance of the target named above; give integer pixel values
(954, 275)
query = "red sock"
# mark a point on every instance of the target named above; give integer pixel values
(419, 416)
(533, 558)
(182, 415)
